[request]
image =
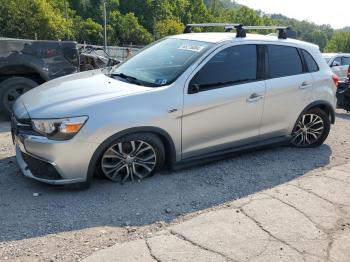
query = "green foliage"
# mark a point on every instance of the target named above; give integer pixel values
(307, 31)
(88, 31)
(346, 29)
(25, 19)
(340, 42)
(142, 21)
(319, 37)
(168, 27)
(125, 29)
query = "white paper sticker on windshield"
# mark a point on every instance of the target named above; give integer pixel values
(161, 81)
(194, 48)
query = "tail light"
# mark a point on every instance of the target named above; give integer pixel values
(335, 79)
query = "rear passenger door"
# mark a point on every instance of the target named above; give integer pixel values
(288, 90)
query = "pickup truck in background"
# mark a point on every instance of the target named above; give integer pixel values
(25, 64)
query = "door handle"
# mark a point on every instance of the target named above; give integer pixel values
(172, 110)
(254, 98)
(305, 85)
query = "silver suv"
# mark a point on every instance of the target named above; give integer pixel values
(339, 63)
(184, 98)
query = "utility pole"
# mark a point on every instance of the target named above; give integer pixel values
(65, 10)
(155, 14)
(105, 24)
(66, 15)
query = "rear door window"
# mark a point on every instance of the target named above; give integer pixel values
(283, 61)
(345, 61)
(337, 60)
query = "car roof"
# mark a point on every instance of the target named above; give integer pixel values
(222, 37)
(329, 55)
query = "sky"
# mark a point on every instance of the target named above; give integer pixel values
(335, 12)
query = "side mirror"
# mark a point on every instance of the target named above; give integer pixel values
(335, 63)
(193, 88)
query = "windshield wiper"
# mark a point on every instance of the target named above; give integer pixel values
(134, 80)
(130, 79)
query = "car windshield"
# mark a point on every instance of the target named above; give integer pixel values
(161, 63)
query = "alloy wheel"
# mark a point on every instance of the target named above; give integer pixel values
(129, 160)
(308, 130)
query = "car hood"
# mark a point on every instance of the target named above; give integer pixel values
(62, 96)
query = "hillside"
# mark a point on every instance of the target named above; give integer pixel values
(141, 21)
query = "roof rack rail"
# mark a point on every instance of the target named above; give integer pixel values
(241, 29)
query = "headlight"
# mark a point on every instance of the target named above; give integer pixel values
(59, 129)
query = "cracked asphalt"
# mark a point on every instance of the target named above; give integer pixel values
(279, 204)
(307, 219)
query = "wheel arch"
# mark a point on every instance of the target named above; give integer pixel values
(23, 70)
(324, 105)
(170, 151)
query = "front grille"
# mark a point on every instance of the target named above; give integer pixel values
(41, 169)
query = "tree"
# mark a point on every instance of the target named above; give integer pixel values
(340, 42)
(26, 19)
(88, 31)
(197, 12)
(125, 29)
(168, 27)
(317, 37)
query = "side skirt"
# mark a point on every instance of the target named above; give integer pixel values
(229, 152)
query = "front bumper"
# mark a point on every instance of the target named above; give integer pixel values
(28, 173)
(53, 162)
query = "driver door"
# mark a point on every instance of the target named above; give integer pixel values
(223, 102)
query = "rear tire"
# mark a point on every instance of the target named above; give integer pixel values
(11, 89)
(132, 157)
(311, 129)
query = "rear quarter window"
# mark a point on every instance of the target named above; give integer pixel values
(283, 61)
(310, 61)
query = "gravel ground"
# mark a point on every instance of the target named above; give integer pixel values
(68, 225)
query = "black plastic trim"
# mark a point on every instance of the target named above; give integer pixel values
(262, 62)
(40, 168)
(224, 153)
(303, 61)
(320, 104)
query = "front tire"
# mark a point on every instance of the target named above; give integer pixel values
(133, 157)
(311, 129)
